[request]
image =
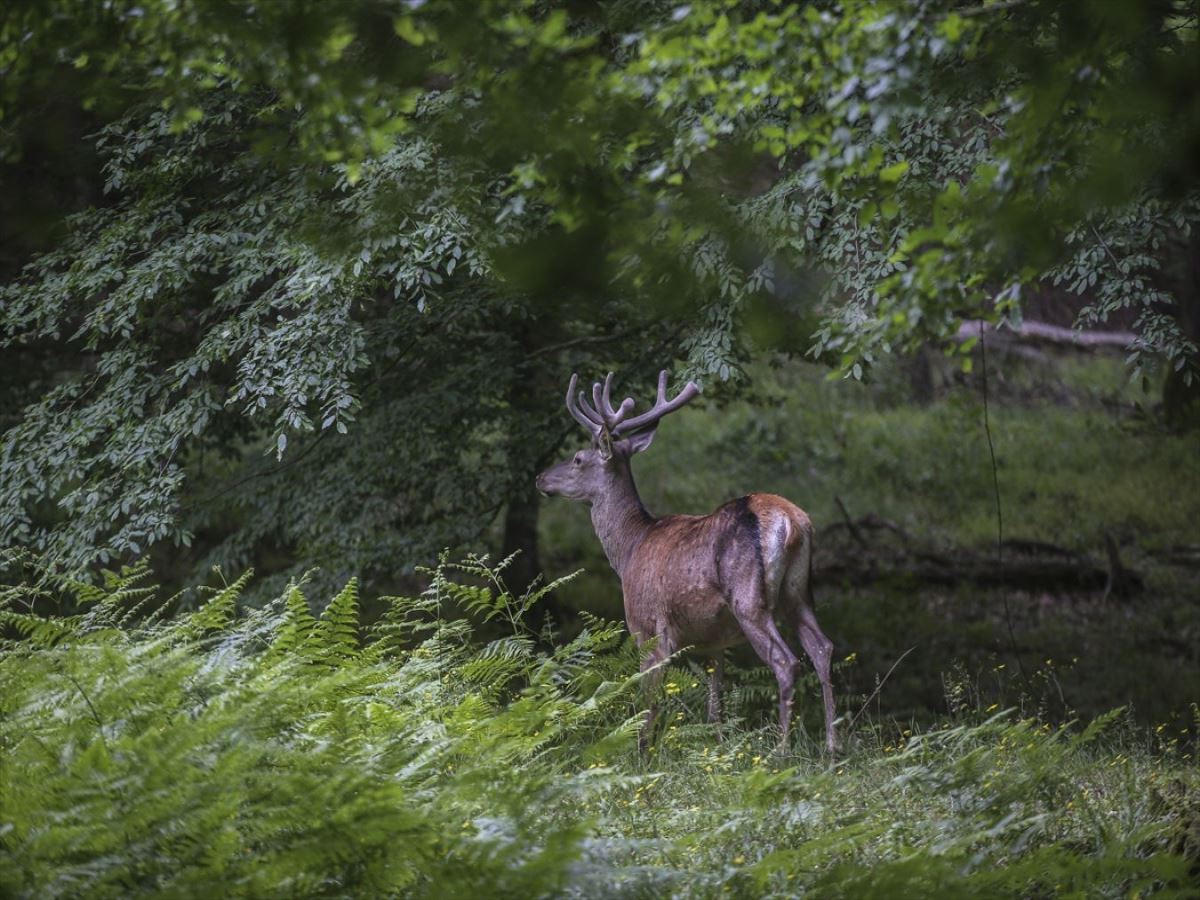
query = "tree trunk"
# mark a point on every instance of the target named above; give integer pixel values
(521, 537)
(1181, 401)
(526, 398)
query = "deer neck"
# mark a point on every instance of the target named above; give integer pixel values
(620, 520)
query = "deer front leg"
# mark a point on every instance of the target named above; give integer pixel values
(652, 678)
(716, 680)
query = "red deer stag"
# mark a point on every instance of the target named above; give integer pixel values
(705, 582)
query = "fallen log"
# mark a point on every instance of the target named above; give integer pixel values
(1185, 555)
(1043, 332)
(1032, 565)
(1028, 575)
(869, 522)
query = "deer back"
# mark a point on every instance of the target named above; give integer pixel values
(683, 578)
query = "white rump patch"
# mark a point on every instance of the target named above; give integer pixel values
(775, 555)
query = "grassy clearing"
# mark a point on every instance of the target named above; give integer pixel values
(1076, 462)
(273, 754)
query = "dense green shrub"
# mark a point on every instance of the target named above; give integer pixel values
(274, 753)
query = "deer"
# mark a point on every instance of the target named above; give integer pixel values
(702, 583)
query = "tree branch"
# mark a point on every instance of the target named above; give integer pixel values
(579, 342)
(989, 8)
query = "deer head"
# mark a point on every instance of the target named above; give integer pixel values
(593, 472)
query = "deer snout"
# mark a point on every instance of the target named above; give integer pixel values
(541, 484)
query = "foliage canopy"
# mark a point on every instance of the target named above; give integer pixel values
(371, 239)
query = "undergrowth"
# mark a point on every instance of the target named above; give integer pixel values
(271, 752)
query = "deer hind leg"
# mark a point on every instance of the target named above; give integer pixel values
(760, 629)
(819, 648)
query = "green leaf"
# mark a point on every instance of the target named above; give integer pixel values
(407, 29)
(893, 173)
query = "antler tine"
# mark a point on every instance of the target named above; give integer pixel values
(598, 401)
(602, 404)
(614, 417)
(578, 413)
(661, 406)
(586, 408)
(623, 410)
(662, 388)
(606, 395)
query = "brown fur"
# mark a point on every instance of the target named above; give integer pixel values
(705, 582)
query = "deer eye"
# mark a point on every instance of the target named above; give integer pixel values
(579, 460)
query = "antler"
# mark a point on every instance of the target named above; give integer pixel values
(603, 421)
(593, 425)
(661, 407)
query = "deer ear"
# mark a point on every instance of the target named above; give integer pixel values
(604, 445)
(641, 440)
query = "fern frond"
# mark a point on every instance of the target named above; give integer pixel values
(296, 629)
(336, 633)
(499, 662)
(220, 611)
(41, 631)
(537, 591)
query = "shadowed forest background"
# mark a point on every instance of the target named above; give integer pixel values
(296, 290)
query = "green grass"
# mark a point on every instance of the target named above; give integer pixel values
(1069, 473)
(1075, 462)
(271, 754)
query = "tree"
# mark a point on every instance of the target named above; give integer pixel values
(939, 158)
(392, 329)
(372, 241)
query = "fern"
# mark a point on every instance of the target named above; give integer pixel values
(498, 663)
(221, 609)
(42, 632)
(336, 634)
(266, 752)
(296, 629)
